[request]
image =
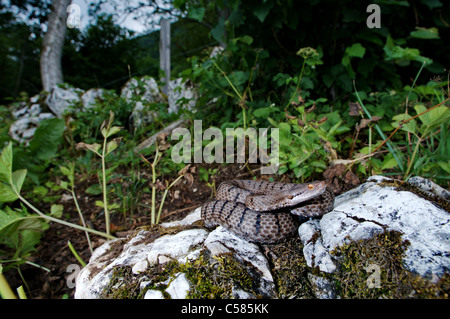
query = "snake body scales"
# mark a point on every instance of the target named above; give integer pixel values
(264, 212)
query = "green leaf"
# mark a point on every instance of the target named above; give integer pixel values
(262, 10)
(197, 13)
(47, 139)
(410, 126)
(113, 130)
(99, 203)
(435, 117)
(218, 31)
(111, 146)
(445, 166)
(6, 163)
(6, 193)
(356, 50)
(389, 162)
(424, 33)
(12, 221)
(56, 210)
(95, 189)
(263, 112)
(18, 177)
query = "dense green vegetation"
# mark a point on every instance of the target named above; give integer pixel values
(375, 100)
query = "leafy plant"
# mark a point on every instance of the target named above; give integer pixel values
(129, 190)
(159, 151)
(204, 175)
(11, 185)
(430, 139)
(107, 130)
(20, 232)
(37, 156)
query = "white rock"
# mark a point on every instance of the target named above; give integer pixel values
(188, 220)
(315, 253)
(323, 288)
(430, 187)
(370, 209)
(181, 94)
(90, 97)
(177, 245)
(28, 120)
(141, 93)
(179, 287)
(139, 267)
(153, 294)
(60, 99)
(221, 241)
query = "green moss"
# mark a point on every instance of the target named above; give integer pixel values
(216, 276)
(363, 262)
(123, 285)
(289, 269)
(210, 276)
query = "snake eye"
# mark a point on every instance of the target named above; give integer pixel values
(310, 186)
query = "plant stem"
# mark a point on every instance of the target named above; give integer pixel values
(82, 220)
(21, 293)
(5, 289)
(74, 252)
(164, 197)
(105, 199)
(63, 222)
(389, 145)
(298, 84)
(412, 158)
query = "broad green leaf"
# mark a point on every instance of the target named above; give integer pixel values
(263, 112)
(197, 13)
(356, 50)
(65, 171)
(424, 33)
(262, 10)
(113, 130)
(445, 166)
(95, 189)
(6, 163)
(410, 126)
(12, 221)
(56, 210)
(6, 193)
(99, 203)
(18, 177)
(435, 117)
(64, 185)
(92, 147)
(389, 162)
(111, 146)
(47, 139)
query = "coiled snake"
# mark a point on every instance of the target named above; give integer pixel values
(261, 211)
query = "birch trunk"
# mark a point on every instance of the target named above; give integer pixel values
(51, 69)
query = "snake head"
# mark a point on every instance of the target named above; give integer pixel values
(306, 192)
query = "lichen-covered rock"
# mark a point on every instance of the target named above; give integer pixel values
(91, 96)
(181, 94)
(61, 98)
(142, 253)
(141, 94)
(373, 208)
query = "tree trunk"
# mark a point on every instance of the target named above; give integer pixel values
(164, 53)
(51, 69)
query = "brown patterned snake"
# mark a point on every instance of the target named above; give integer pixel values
(262, 211)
